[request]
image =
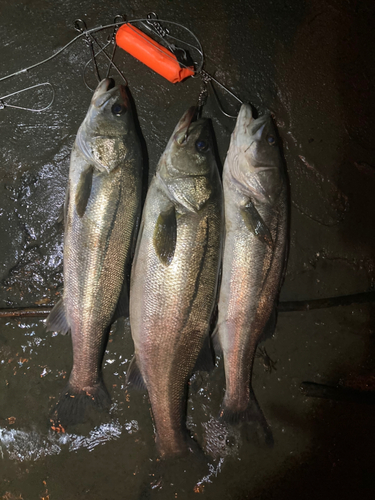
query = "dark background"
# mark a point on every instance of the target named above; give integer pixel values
(311, 64)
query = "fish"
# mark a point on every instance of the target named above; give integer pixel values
(174, 279)
(255, 248)
(102, 213)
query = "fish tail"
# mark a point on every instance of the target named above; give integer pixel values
(74, 403)
(252, 413)
(184, 445)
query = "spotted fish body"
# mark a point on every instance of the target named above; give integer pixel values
(102, 210)
(174, 277)
(255, 199)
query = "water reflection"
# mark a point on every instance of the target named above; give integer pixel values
(20, 445)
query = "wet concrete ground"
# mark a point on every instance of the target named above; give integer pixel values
(309, 63)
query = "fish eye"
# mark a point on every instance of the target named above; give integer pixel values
(118, 109)
(201, 146)
(271, 140)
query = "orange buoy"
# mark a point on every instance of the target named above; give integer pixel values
(151, 53)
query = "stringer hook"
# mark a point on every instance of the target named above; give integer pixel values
(81, 27)
(4, 105)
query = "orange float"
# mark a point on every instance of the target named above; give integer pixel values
(151, 53)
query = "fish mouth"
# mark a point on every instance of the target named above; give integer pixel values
(103, 87)
(249, 129)
(243, 130)
(182, 129)
(105, 91)
(260, 126)
(245, 116)
(110, 84)
(247, 123)
(188, 125)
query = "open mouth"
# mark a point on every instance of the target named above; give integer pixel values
(105, 90)
(187, 119)
(110, 83)
(104, 86)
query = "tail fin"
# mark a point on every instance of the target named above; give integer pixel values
(74, 403)
(179, 449)
(220, 439)
(251, 414)
(193, 469)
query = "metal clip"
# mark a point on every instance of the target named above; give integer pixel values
(156, 26)
(203, 95)
(118, 19)
(81, 27)
(183, 57)
(193, 115)
(208, 79)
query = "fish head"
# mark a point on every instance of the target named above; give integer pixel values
(254, 156)
(189, 150)
(188, 162)
(104, 134)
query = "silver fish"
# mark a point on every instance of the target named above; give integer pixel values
(174, 277)
(102, 207)
(256, 214)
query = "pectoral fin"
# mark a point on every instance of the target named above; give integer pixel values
(84, 190)
(165, 235)
(255, 223)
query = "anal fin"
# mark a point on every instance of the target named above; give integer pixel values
(270, 327)
(215, 339)
(57, 321)
(134, 376)
(205, 360)
(122, 308)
